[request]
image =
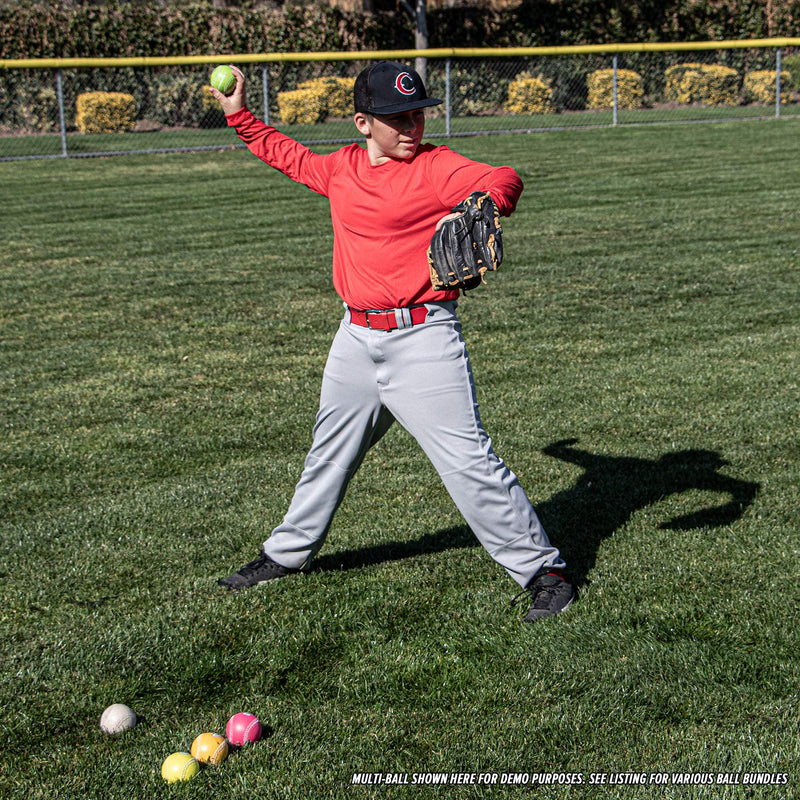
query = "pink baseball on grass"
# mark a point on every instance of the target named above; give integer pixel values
(243, 728)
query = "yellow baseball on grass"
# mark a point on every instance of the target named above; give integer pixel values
(222, 78)
(210, 748)
(179, 767)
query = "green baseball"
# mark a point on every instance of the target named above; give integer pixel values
(222, 78)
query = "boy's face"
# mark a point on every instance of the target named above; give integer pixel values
(392, 135)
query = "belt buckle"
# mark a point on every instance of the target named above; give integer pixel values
(385, 317)
(393, 318)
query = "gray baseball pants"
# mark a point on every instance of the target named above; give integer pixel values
(421, 377)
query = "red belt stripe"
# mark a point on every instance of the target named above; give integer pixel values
(389, 320)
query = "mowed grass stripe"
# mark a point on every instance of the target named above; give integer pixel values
(164, 323)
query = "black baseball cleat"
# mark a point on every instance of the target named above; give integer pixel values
(551, 594)
(260, 570)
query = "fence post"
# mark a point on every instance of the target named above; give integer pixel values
(265, 90)
(616, 107)
(778, 82)
(61, 120)
(447, 95)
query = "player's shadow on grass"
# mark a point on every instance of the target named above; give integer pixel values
(600, 502)
(449, 539)
(612, 488)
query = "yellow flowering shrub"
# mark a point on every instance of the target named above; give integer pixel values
(528, 95)
(105, 112)
(600, 84)
(759, 86)
(708, 84)
(302, 107)
(209, 102)
(338, 93)
(37, 109)
(315, 100)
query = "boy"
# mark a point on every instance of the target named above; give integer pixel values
(398, 353)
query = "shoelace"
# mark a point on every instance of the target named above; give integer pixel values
(540, 595)
(515, 600)
(543, 596)
(253, 566)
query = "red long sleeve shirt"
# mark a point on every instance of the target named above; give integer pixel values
(383, 216)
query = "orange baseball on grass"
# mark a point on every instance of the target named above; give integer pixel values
(210, 748)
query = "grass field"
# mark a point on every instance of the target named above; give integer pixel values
(334, 131)
(163, 326)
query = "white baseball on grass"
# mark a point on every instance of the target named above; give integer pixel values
(117, 718)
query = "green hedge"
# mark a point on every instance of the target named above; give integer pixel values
(149, 28)
(154, 28)
(792, 65)
(172, 96)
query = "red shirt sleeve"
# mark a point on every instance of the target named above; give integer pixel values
(456, 177)
(281, 152)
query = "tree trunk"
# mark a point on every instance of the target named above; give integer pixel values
(421, 39)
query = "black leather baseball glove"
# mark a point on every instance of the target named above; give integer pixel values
(466, 247)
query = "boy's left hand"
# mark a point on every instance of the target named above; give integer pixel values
(452, 215)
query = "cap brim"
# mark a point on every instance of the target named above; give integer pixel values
(410, 105)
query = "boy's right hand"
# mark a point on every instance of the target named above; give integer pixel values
(235, 101)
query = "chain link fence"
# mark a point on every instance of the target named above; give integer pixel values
(103, 107)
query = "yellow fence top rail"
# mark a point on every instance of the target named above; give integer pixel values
(395, 55)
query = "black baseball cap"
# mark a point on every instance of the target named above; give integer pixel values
(390, 87)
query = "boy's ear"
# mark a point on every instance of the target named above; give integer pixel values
(363, 123)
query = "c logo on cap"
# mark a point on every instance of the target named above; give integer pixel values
(405, 83)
